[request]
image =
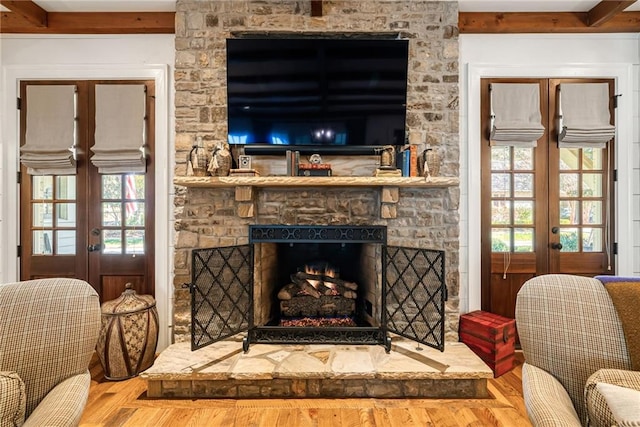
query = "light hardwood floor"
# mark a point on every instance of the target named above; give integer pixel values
(124, 403)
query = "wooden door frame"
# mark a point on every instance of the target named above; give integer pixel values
(470, 176)
(9, 226)
(541, 182)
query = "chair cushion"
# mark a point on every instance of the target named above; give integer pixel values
(623, 402)
(13, 399)
(599, 411)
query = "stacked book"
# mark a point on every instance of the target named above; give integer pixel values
(314, 169)
(387, 171)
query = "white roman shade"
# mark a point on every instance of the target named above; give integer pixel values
(584, 115)
(515, 114)
(50, 136)
(120, 129)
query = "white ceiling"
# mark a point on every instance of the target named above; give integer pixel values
(464, 5)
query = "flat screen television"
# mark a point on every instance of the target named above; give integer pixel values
(316, 94)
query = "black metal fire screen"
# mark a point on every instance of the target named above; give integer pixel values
(221, 293)
(414, 294)
(412, 290)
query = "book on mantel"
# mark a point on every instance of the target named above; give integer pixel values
(381, 172)
(243, 172)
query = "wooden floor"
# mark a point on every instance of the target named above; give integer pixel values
(124, 403)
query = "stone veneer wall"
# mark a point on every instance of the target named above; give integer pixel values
(426, 217)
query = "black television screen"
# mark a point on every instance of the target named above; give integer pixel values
(326, 92)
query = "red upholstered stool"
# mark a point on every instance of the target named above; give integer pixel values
(491, 337)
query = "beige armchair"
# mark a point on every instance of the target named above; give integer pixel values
(48, 333)
(572, 339)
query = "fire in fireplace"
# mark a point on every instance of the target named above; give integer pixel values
(317, 284)
(317, 297)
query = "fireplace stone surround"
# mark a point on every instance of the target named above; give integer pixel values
(424, 217)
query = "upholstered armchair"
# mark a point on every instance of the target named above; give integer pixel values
(48, 333)
(572, 339)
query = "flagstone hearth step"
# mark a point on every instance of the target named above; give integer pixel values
(294, 370)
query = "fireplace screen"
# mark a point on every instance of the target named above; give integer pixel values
(315, 284)
(221, 293)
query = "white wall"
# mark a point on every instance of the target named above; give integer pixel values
(91, 57)
(560, 55)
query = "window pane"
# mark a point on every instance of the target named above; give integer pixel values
(523, 184)
(523, 240)
(134, 241)
(569, 239)
(592, 240)
(42, 242)
(523, 158)
(568, 185)
(134, 187)
(111, 242)
(66, 187)
(501, 212)
(569, 213)
(500, 185)
(134, 214)
(66, 215)
(111, 187)
(523, 212)
(42, 214)
(111, 215)
(500, 158)
(42, 187)
(592, 185)
(592, 158)
(592, 212)
(65, 242)
(569, 158)
(500, 240)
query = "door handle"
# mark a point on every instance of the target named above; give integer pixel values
(555, 230)
(556, 246)
(93, 248)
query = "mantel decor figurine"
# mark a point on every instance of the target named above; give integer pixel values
(197, 159)
(221, 160)
(430, 160)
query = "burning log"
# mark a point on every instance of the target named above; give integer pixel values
(324, 278)
(324, 306)
(315, 322)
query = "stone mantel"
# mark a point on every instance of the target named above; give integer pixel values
(244, 187)
(317, 181)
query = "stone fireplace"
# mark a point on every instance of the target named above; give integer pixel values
(317, 284)
(415, 217)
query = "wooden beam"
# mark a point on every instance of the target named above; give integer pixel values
(543, 22)
(605, 11)
(94, 23)
(316, 8)
(27, 9)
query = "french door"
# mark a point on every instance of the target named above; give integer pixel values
(545, 209)
(92, 226)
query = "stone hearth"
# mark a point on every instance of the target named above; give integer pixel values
(222, 370)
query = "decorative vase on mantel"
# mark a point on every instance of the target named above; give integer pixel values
(198, 159)
(431, 163)
(221, 160)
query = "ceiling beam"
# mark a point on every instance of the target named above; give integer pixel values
(28, 10)
(543, 22)
(93, 23)
(605, 11)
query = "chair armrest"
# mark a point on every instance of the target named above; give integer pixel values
(600, 413)
(63, 405)
(548, 403)
(623, 402)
